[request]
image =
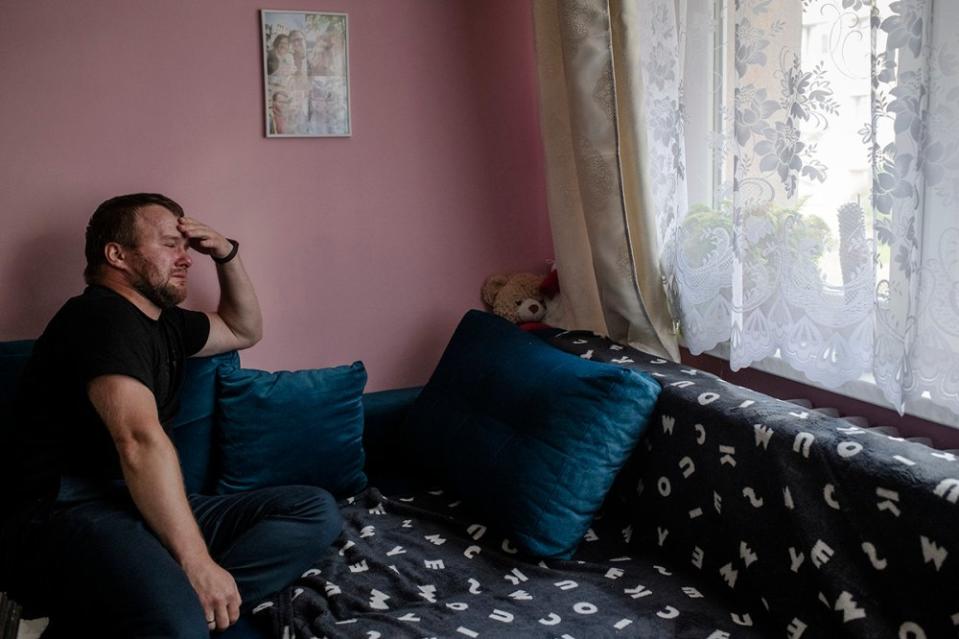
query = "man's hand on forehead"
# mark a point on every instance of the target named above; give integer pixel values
(202, 238)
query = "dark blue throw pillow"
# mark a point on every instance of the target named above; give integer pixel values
(303, 427)
(531, 436)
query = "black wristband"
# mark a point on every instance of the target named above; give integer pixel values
(229, 256)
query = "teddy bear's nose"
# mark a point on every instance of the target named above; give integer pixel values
(534, 308)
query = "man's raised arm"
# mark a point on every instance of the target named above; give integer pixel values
(237, 322)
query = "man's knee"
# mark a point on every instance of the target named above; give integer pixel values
(181, 627)
(316, 512)
(174, 615)
(119, 580)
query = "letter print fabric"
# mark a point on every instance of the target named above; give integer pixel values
(420, 566)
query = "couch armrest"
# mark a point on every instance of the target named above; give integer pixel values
(383, 415)
(727, 477)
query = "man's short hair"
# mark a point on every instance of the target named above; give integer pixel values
(115, 221)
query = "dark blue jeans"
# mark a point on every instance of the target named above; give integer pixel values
(105, 574)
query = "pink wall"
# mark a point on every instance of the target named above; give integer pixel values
(369, 247)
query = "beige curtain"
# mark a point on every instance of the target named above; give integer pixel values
(599, 193)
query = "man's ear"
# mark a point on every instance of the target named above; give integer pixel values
(115, 255)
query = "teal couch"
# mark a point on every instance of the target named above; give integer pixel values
(738, 515)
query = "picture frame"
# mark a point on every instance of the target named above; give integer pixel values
(306, 73)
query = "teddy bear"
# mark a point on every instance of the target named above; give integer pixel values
(518, 297)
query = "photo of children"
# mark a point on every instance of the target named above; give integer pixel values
(306, 74)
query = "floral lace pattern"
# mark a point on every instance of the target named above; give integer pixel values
(841, 278)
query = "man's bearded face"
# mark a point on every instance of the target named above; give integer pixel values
(164, 290)
(160, 260)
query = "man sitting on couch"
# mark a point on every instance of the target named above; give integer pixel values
(101, 531)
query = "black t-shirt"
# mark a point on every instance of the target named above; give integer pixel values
(57, 431)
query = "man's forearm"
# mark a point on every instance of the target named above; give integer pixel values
(238, 307)
(238, 312)
(152, 474)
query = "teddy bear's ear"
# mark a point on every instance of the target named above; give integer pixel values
(492, 286)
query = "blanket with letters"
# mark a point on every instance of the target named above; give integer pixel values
(419, 566)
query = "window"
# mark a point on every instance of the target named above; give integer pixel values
(821, 239)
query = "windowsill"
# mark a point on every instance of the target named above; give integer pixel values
(861, 389)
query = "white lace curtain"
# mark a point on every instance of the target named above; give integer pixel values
(828, 232)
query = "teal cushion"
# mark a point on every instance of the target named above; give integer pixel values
(531, 436)
(303, 427)
(193, 425)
